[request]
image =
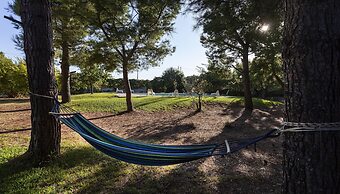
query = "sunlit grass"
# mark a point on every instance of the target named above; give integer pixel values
(109, 102)
(79, 168)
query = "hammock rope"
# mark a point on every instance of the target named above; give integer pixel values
(143, 153)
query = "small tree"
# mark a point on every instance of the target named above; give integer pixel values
(92, 76)
(173, 79)
(198, 88)
(157, 85)
(190, 82)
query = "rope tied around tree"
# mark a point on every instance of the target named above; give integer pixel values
(58, 109)
(43, 96)
(308, 127)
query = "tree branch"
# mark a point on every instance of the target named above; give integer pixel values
(232, 46)
(239, 39)
(237, 69)
(132, 50)
(107, 34)
(10, 18)
(155, 23)
(135, 10)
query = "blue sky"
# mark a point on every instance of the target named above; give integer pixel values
(189, 52)
(6, 33)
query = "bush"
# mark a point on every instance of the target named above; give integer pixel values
(13, 77)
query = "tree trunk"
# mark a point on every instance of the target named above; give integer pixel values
(311, 56)
(45, 134)
(248, 103)
(127, 87)
(199, 106)
(65, 74)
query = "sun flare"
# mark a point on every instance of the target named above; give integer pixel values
(264, 28)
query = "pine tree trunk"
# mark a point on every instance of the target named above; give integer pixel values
(311, 56)
(45, 134)
(65, 74)
(127, 87)
(248, 103)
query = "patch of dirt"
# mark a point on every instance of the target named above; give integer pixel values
(14, 114)
(246, 171)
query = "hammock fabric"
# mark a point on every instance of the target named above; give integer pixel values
(142, 153)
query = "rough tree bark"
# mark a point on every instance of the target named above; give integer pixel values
(127, 86)
(45, 134)
(311, 56)
(65, 73)
(248, 103)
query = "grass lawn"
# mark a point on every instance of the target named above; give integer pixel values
(108, 102)
(82, 169)
(79, 168)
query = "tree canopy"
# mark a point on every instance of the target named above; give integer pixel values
(132, 32)
(173, 79)
(13, 77)
(69, 33)
(232, 31)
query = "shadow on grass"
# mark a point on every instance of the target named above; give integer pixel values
(11, 111)
(84, 170)
(148, 102)
(69, 158)
(14, 131)
(13, 100)
(20, 175)
(14, 166)
(108, 116)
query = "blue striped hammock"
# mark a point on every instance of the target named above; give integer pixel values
(141, 153)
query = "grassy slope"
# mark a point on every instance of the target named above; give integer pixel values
(81, 169)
